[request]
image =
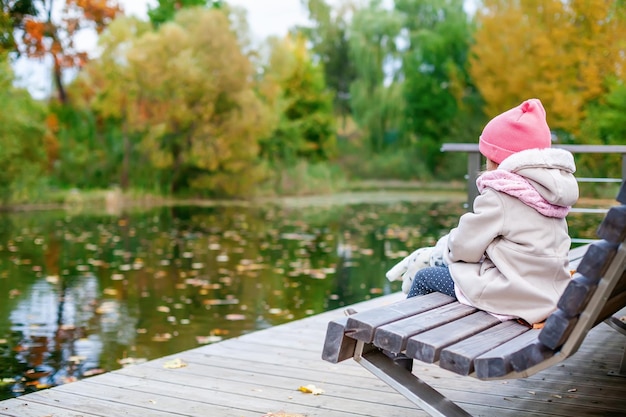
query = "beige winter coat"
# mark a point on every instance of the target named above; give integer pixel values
(506, 257)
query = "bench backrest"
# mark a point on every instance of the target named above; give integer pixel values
(598, 288)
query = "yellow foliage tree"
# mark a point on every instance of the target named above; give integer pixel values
(559, 51)
(201, 115)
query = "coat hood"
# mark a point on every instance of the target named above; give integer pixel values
(550, 171)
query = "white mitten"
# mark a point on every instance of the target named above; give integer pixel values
(408, 267)
(437, 257)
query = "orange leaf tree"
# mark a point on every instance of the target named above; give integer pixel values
(562, 52)
(50, 30)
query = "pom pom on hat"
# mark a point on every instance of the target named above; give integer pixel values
(518, 129)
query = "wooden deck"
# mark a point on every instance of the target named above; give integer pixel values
(259, 374)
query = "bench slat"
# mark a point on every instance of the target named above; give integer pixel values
(530, 355)
(393, 337)
(557, 328)
(362, 326)
(576, 295)
(597, 259)
(496, 363)
(613, 227)
(428, 345)
(337, 345)
(460, 357)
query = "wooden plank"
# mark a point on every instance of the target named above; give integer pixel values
(613, 227)
(459, 357)
(337, 346)
(183, 395)
(597, 259)
(96, 405)
(393, 336)
(362, 325)
(496, 363)
(16, 407)
(557, 328)
(427, 346)
(576, 295)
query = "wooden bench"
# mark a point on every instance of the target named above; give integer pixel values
(435, 328)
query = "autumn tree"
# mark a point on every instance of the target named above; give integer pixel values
(106, 93)
(559, 51)
(303, 106)
(375, 94)
(47, 32)
(12, 15)
(201, 116)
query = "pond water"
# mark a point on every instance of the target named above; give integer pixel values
(82, 294)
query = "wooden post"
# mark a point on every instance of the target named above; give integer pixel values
(473, 170)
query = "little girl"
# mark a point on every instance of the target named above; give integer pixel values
(509, 256)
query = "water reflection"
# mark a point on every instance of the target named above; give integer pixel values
(85, 294)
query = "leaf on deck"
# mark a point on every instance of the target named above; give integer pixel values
(174, 364)
(311, 389)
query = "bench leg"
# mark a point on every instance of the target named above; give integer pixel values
(620, 326)
(397, 376)
(622, 367)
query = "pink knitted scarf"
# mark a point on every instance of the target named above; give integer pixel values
(518, 187)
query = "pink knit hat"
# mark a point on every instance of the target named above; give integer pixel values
(523, 127)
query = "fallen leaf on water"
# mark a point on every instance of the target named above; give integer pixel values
(109, 291)
(203, 340)
(174, 364)
(311, 389)
(161, 337)
(131, 361)
(92, 372)
(234, 317)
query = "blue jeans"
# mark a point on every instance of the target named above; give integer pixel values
(436, 278)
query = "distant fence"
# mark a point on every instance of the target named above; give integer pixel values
(474, 161)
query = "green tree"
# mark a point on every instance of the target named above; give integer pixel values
(605, 126)
(436, 82)
(330, 45)
(201, 115)
(376, 94)
(108, 89)
(165, 10)
(305, 127)
(22, 136)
